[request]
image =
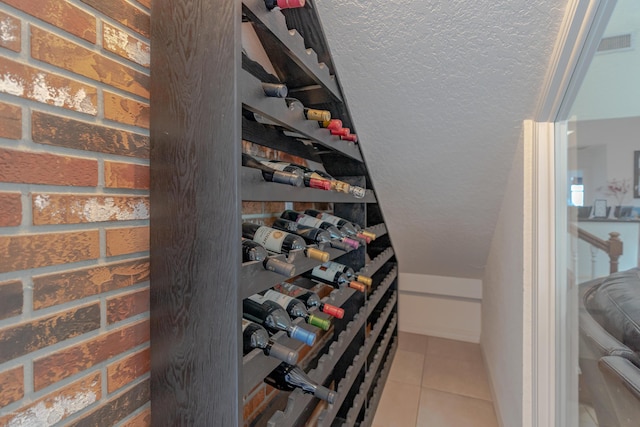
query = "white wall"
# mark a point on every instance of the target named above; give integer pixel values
(446, 307)
(502, 302)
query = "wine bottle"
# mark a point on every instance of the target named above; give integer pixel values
(341, 186)
(252, 251)
(309, 113)
(270, 174)
(283, 4)
(342, 224)
(273, 318)
(310, 221)
(351, 274)
(275, 90)
(340, 132)
(332, 275)
(352, 137)
(255, 336)
(331, 124)
(310, 298)
(310, 234)
(288, 377)
(279, 241)
(308, 179)
(294, 307)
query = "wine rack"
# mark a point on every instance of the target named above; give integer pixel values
(203, 85)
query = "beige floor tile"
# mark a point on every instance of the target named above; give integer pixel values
(586, 419)
(412, 342)
(441, 409)
(407, 367)
(398, 405)
(456, 376)
(451, 349)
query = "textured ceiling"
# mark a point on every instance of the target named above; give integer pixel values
(438, 91)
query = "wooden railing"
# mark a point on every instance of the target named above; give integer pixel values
(612, 247)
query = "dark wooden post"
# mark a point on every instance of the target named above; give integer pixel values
(195, 213)
(615, 250)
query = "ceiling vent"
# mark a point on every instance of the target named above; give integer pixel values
(608, 44)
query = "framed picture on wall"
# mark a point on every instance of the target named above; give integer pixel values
(599, 208)
(636, 174)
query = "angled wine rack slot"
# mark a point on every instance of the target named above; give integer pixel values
(208, 106)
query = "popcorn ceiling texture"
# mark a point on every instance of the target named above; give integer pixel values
(438, 91)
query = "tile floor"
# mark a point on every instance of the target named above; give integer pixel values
(436, 382)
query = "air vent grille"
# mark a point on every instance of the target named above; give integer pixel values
(615, 43)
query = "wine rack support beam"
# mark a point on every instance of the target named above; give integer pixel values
(377, 394)
(195, 158)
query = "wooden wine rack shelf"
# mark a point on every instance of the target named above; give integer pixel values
(204, 87)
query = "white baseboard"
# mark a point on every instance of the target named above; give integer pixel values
(494, 400)
(467, 336)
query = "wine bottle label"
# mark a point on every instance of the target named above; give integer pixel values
(330, 218)
(270, 238)
(326, 271)
(289, 289)
(257, 298)
(281, 299)
(279, 166)
(309, 221)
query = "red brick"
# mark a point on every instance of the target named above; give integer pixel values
(122, 44)
(122, 241)
(126, 175)
(12, 386)
(21, 339)
(273, 207)
(57, 405)
(125, 13)
(10, 121)
(66, 362)
(61, 14)
(58, 288)
(11, 299)
(11, 28)
(126, 110)
(59, 52)
(254, 402)
(64, 132)
(10, 209)
(125, 371)
(23, 252)
(76, 208)
(302, 206)
(122, 307)
(50, 169)
(116, 409)
(42, 86)
(143, 419)
(251, 208)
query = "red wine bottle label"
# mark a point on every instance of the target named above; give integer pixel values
(326, 271)
(288, 289)
(309, 221)
(270, 238)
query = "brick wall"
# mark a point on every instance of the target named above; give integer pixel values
(74, 210)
